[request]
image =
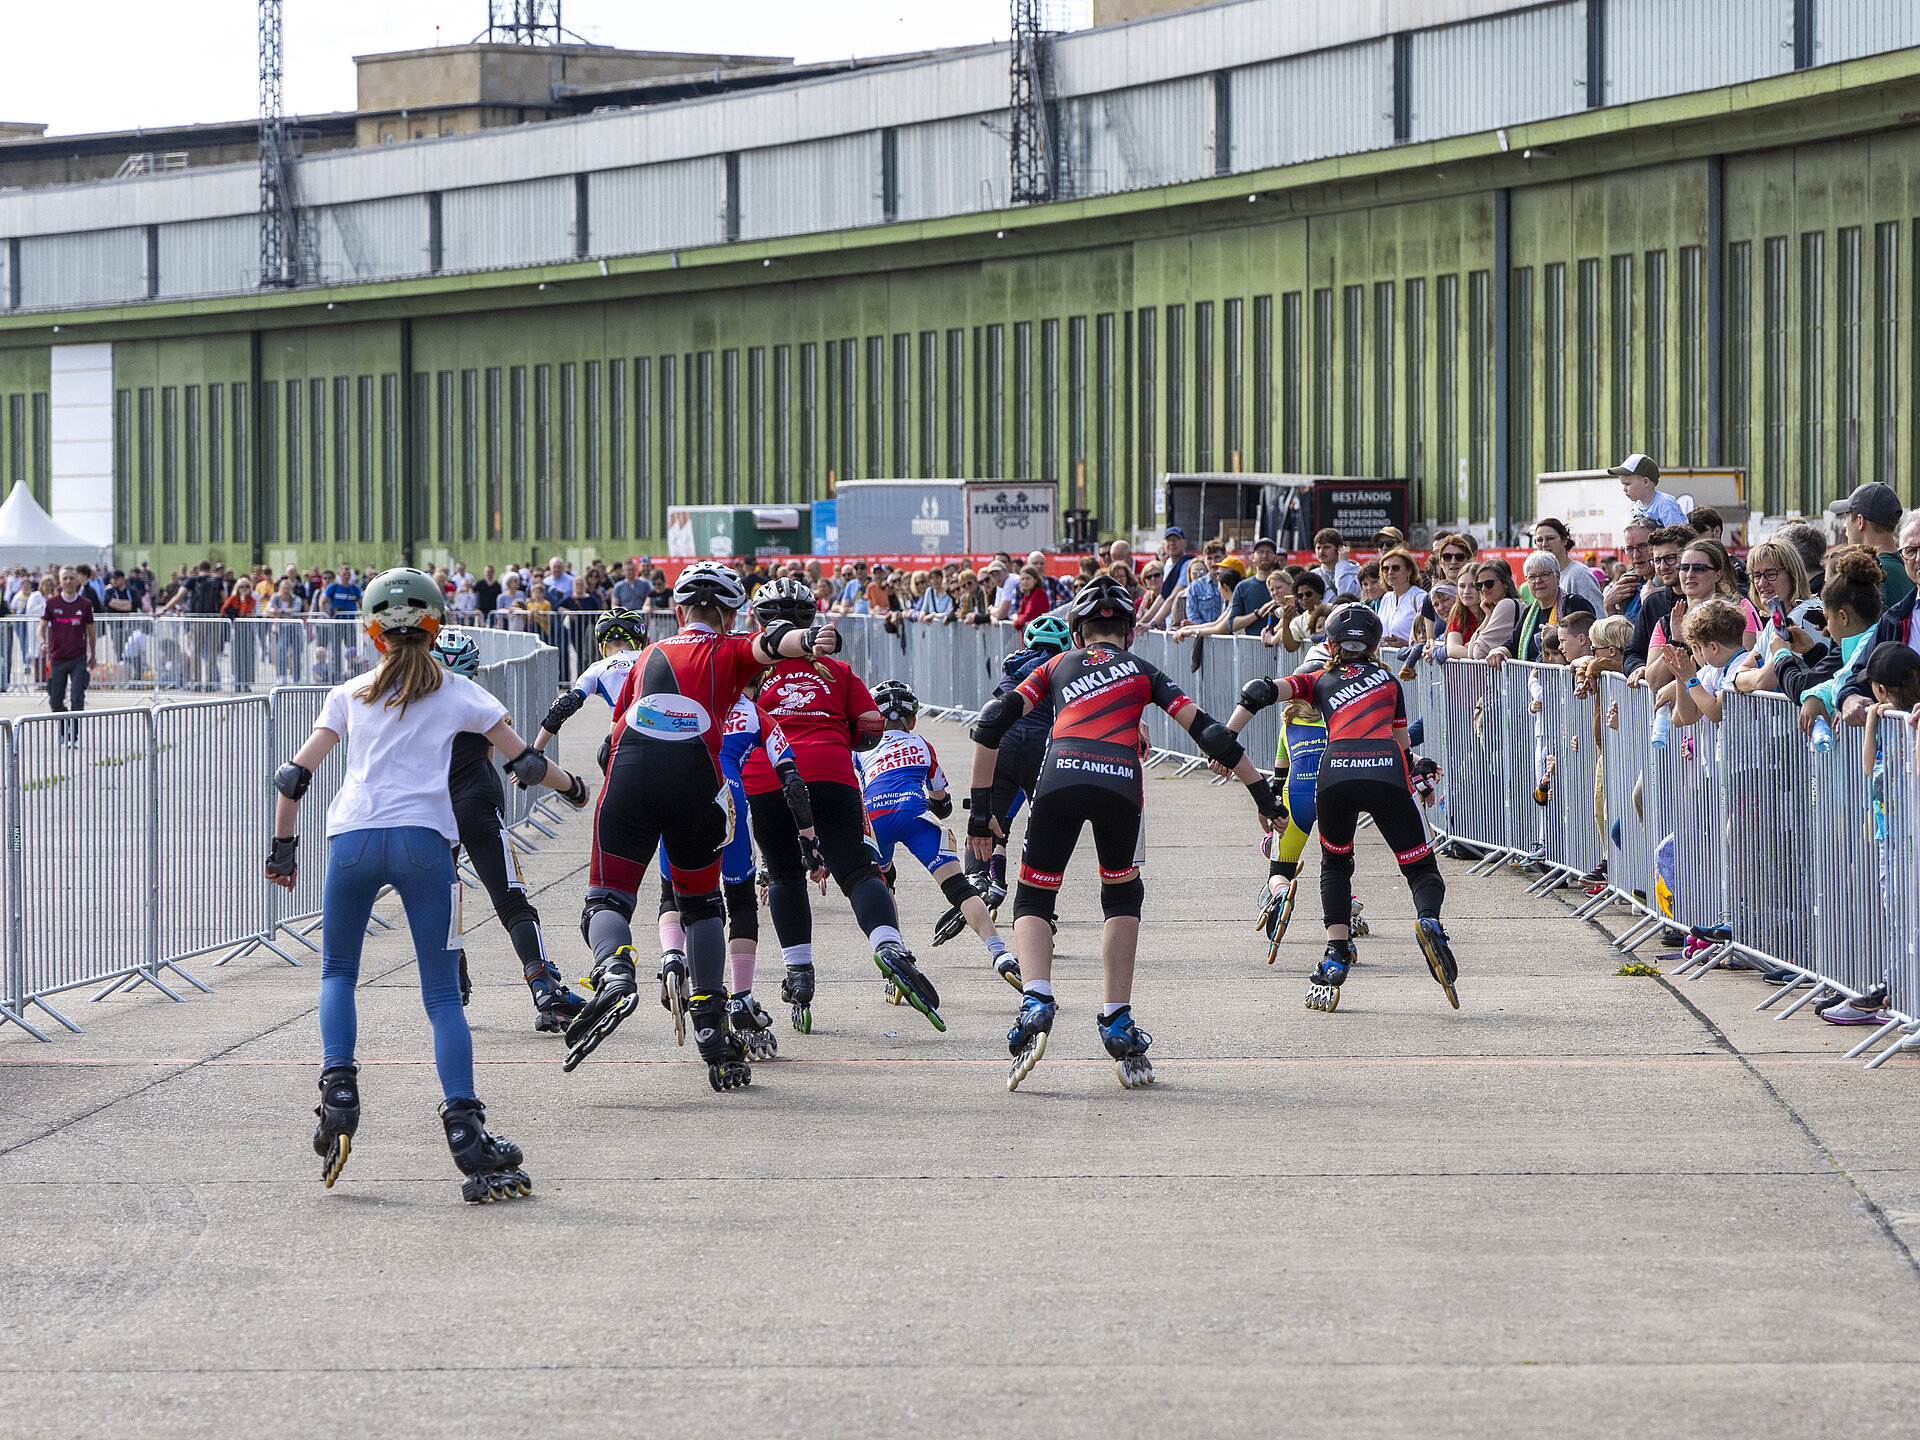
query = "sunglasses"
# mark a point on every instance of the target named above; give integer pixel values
(1699, 569)
(1456, 557)
(1486, 584)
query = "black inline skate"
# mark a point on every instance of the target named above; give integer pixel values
(723, 1050)
(1027, 1040)
(905, 982)
(1007, 967)
(950, 925)
(797, 990)
(1323, 989)
(1127, 1043)
(1439, 956)
(753, 1025)
(1275, 911)
(1357, 925)
(674, 989)
(557, 1006)
(614, 995)
(339, 1112)
(491, 1163)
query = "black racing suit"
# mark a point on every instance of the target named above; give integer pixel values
(478, 805)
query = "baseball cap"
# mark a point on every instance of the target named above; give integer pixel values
(1266, 540)
(1235, 564)
(1637, 464)
(1173, 530)
(1875, 502)
(1387, 536)
(1892, 664)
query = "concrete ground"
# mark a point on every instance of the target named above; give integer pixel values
(1582, 1205)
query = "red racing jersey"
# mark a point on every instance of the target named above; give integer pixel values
(1366, 713)
(1099, 694)
(684, 688)
(815, 704)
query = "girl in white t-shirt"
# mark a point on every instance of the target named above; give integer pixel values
(392, 824)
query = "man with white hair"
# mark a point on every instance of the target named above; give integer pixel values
(1896, 624)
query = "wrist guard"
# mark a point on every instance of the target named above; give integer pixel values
(810, 857)
(1265, 801)
(941, 805)
(292, 780)
(1258, 693)
(576, 793)
(1216, 742)
(528, 768)
(564, 709)
(980, 812)
(283, 857)
(774, 632)
(795, 791)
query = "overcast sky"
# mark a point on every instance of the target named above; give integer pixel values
(169, 62)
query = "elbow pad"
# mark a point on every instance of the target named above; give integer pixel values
(528, 768)
(1258, 693)
(997, 717)
(292, 780)
(1216, 742)
(564, 709)
(941, 805)
(795, 790)
(774, 632)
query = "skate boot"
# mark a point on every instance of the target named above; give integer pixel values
(1127, 1043)
(1323, 990)
(614, 996)
(996, 890)
(339, 1112)
(1008, 969)
(951, 924)
(672, 976)
(1433, 945)
(1357, 925)
(797, 990)
(491, 1163)
(466, 982)
(1027, 1040)
(753, 1025)
(1275, 914)
(906, 981)
(557, 1006)
(724, 1051)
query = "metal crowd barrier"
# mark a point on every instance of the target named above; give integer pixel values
(142, 803)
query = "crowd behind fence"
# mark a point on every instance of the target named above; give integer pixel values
(1735, 832)
(135, 837)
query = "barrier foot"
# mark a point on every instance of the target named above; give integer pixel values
(265, 944)
(1596, 904)
(36, 1000)
(1192, 765)
(1781, 993)
(112, 986)
(301, 937)
(1556, 876)
(1872, 1040)
(185, 975)
(40, 1035)
(144, 977)
(535, 823)
(1638, 935)
(1713, 959)
(238, 952)
(516, 838)
(1819, 989)
(1909, 1042)
(1488, 862)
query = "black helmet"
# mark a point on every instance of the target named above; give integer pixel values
(619, 624)
(1353, 629)
(1101, 598)
(894, 699)
(787, 600)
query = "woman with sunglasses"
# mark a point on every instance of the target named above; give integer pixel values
(1493, 609)
(1705, 573)
(1402, 604)
(1451, 556)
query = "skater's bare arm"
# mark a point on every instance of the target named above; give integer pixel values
(291, 783)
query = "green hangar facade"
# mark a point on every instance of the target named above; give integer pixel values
(1456, 242)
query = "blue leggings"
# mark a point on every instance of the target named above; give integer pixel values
(418, 863)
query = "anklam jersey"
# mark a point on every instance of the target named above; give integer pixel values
(1099, 694)
(1366, 713)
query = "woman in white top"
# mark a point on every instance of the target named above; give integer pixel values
(1402, 602)
(392, 824)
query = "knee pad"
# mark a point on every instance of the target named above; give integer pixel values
(599, 898)
(957, 888)
(1035, 900)
(695, 908)
(743, 911)
(851, 881)
(1123, 898)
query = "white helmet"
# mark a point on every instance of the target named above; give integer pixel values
(708, 582)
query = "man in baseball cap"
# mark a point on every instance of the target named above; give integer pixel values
(1640, 479)
(1872, 516)
(1387, 537)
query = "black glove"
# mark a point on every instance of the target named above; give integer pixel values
(980, 812)
(604, 756)
(941, 805)
(1265, 801)
(810, 857)
(283, 858)
(576, 793)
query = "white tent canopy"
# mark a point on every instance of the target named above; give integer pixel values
(29, 536)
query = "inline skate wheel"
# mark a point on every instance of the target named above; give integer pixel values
(336, 1159)
(1028, 1057)
(496, 1185)
(803, 1019)
(1325, 998)
(1134, 1072)
(760, 1044)
(729, 1074)
(1008, 969)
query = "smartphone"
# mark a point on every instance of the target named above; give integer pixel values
(1817, 618)
(1780, 617)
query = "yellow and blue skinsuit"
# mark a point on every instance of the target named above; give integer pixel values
(1303, 740)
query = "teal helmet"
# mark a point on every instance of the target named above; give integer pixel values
(457, 651)
(1048, 632)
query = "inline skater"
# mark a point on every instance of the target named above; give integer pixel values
(1364, 768)
(621, 636)
(825, 712)
(1018, 769)
(664, 786)
(392, 823)
(1091, 775)
(478, 803)
(901, 780)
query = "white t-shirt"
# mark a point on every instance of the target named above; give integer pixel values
(397, 760)
(1397, 613)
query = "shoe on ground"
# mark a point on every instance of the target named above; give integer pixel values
(1848, 1013)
